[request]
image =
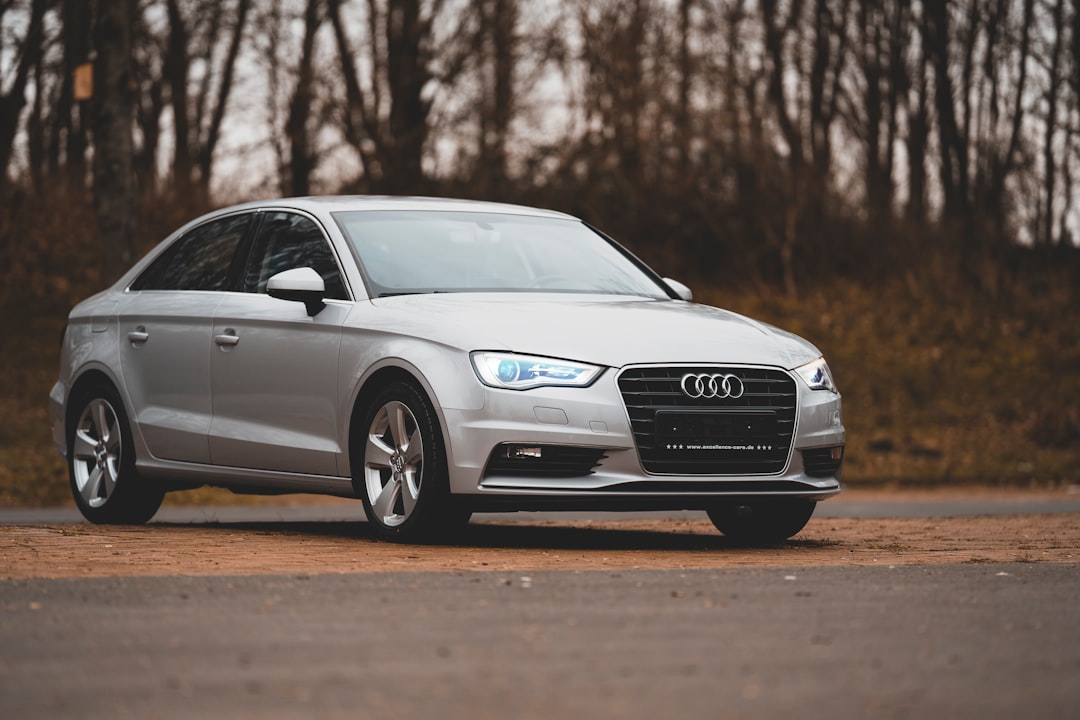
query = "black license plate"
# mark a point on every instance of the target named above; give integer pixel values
(713, 431)
(715, 425)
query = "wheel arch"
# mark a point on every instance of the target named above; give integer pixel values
(87, 379)
(131, 499)
(371, 386)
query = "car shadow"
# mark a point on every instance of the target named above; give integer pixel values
(519, 536)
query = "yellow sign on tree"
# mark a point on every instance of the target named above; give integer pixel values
(84, 81)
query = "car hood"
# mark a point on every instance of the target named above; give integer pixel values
(604, 330)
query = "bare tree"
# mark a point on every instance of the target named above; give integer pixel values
(387, 112)
(1050, 129)
(13, 98)
(71, 120)
(302, 156)
(693, 128)
(198, 115)
(918, 137)
(614, 54)
(148, 55)
(805, 119)
(211, 132)
(498, 53)
(114, 177)
(882, 82)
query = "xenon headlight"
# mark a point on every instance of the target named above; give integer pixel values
(817, 376)
(523, 372)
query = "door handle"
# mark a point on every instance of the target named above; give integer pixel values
(138, 336)
(227, 339)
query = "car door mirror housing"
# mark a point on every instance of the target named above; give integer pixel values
(299, 285)
(679, 289)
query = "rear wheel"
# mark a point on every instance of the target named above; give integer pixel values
(762, 521)
(403, 479)
(101, 462)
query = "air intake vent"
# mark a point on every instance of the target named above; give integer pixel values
(823, 462)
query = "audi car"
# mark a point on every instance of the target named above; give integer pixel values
(434, 359)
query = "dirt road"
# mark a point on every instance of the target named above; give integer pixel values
(281, 548)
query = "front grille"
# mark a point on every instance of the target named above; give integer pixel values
(553, 461)
(677, 434)
(823, 462)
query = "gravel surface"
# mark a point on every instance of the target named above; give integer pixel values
(289, 547)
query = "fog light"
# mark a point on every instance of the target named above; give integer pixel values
(517, 451)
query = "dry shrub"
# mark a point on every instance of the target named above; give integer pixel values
(49, 258)
(945, 383)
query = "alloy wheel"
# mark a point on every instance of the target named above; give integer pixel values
(393, 463)
(97, 447)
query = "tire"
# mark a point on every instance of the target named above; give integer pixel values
(101, 462)
(762, 521)
(402, 476)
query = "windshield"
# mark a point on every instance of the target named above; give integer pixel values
(406, 252)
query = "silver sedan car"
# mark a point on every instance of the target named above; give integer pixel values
(435, 358)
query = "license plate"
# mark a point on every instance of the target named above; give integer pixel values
(717, 432)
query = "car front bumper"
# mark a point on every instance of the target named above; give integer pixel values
(57, 403)
(596, 418)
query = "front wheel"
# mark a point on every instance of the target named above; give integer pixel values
(101, 462)
(762, 521)
(403, 479)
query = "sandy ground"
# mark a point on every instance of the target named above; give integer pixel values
(83, 550)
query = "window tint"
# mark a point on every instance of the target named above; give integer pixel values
(286, 241)
(200, 260)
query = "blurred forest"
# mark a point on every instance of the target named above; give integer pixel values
(898, 179)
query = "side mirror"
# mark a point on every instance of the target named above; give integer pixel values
(679, 289)
(299, 285)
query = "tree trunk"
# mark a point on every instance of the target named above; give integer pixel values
(114, 178)
(71, 116)
(1049, 158)
(917, 143)
(686, 75)
(13, 102)
(937, 37)
(176, 77)
(213, 130)
(504, 40)
(407, 73)
(301, 160)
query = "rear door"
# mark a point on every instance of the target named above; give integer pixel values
(166, 322)
(276, 403)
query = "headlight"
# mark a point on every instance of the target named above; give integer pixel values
(817, 376)
(523, 372)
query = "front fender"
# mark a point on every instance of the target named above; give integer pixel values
(444, 373)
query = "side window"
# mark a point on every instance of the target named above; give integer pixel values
(200, 260)
(286, 241)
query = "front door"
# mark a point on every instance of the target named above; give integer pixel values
(274, 369)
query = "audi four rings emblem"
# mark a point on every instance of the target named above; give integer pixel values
(716, 386)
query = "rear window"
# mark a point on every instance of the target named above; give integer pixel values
(200, 260)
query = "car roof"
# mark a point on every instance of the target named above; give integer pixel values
(340, 203)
